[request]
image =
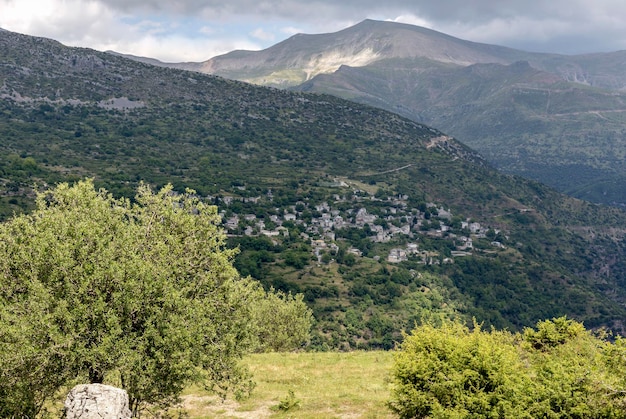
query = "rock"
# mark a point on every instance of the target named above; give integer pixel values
(97, 401)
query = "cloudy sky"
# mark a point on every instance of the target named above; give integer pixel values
(195, 30)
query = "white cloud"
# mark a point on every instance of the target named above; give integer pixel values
(73, 22)
(162, 28)
(412, 20)
(89, 23)
(41, 16)
(262, 34)
(510, 29)
(181, 49)
(207, 30)
(290, 30)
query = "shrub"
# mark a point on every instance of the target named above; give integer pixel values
(559, 370)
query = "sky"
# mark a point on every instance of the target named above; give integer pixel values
(196, 30)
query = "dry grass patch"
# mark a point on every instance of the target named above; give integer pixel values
(306, 385)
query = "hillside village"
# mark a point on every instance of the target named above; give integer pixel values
(382, 219)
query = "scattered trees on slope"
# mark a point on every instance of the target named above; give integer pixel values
(140, 294)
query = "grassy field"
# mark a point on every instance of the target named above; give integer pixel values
(306, 385)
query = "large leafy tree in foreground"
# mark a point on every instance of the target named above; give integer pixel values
(142, 294)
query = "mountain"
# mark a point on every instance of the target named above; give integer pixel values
(301, 57)
(378, 220)
(153, 61)
(554, 118)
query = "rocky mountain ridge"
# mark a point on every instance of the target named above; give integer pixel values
(371, 41)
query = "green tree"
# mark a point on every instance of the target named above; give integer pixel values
(140, 294)
(282, 321)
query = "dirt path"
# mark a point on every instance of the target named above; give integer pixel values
(213, 406)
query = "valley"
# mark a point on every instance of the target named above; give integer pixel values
(282, 167)
(383, 221)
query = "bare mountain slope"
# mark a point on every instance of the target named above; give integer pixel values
(303, 56)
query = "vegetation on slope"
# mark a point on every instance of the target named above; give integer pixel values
(523, 120)
(69, 113)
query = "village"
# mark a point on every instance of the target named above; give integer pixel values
(382, 219)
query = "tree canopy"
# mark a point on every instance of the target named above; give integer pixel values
(142, 294)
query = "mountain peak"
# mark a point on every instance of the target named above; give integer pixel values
(301, 57)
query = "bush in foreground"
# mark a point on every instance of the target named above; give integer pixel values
(558, 370)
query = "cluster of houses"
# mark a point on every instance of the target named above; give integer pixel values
(393, 218)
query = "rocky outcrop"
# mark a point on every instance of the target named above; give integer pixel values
(96, 401)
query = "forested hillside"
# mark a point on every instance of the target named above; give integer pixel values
(379, 221)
